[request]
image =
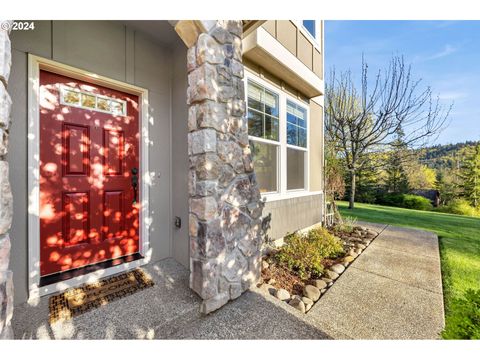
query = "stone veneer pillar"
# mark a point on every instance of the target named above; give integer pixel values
(6, 282)
(224, 199)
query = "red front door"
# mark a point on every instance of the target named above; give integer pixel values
(89, 151)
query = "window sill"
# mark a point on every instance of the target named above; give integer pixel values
(289, 195)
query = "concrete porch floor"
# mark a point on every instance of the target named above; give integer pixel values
(392, 291)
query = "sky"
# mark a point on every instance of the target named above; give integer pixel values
(443, 54)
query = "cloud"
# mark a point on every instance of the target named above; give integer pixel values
(446, 51)
(452, 95)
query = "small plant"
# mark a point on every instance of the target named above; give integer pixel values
(463, 318)
(407, 201)
(347, 224)
(303, 253)
(460, 207)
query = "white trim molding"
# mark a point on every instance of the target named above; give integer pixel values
(35, 64)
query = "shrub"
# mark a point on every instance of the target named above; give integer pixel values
(407, 201)
(463, 318)
(460, 207)
(303, 253)
(416, 202)
(346, 224)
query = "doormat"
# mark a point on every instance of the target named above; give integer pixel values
(79, 300)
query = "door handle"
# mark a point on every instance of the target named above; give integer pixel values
(134, 172)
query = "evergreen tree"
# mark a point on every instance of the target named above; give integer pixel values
(471, 178)
(396, 178)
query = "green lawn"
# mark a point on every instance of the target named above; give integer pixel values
(459, 240)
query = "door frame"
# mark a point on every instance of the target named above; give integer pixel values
(35, 64)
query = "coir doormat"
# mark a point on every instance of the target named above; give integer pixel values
(79, 300)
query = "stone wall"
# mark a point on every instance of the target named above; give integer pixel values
(6, 282)
(224, 199)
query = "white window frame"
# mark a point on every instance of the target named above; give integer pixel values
(268, 141)
(64, 89)
(283, 193)
(35, 64)
(306, 149)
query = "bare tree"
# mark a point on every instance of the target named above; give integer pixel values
(366, 120)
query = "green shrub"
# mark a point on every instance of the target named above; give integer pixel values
(460, 207)
(416, 202)
(303, 253)
(346, 224)
(407, 201)
(463, 318)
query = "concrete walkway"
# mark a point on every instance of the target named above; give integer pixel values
(393, 290)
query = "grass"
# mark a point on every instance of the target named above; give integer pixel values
(459, 241)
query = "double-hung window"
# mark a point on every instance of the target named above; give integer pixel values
(296, 146)
(278, 135)
(263, 131)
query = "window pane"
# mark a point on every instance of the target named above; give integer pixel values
(255, 123)
(295, 169)
(103, 104)
(310, 26)
(271, 128)
(255, 97)
(291, 134)
(302, 117)
(71, 97)
(265, 164)
(291, 118)
(302, 137)
(271, 103)
(88, 100)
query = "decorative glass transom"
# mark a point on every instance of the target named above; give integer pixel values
(90, 101)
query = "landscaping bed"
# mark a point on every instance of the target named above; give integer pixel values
(310, 262)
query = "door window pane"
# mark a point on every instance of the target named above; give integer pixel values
(295, 169)
(265, 157)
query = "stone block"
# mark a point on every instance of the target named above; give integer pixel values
(234, 266)
(214, 303)
(231, 153)
(209, 50)
(192, 118)
(6, 201)
(210, 240)
(202, 84)
(6, 303)
(211, 114)
(191, 59)
(202, 141)
(222, 35)
(4, 252)
(3, 142)
(5, 56)
(207, 167)
(235, 290)
(205, 208)
(203, 277)
(237, 68)
(5, 107)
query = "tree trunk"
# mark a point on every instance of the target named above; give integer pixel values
(353, 178)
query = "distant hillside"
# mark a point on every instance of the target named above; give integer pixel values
(448, 156)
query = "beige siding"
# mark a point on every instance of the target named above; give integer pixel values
(287, 34)
(316, 147)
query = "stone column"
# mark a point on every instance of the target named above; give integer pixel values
(225, 205)
(6, 283)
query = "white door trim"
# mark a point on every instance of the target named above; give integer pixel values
(35, 64)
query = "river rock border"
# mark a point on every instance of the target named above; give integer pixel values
(316, 288)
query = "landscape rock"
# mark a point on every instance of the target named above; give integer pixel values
(311, 292)
(327, 280)
(361, 246)
(265, 265)
(282, 294)
(298, 304)
(348, 259)
(331, 274)
(308, 303)
(319, 284)
(338, 268)
(268, 288)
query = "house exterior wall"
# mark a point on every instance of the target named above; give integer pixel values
(290, 35)
(113, 50)
(295, 211)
